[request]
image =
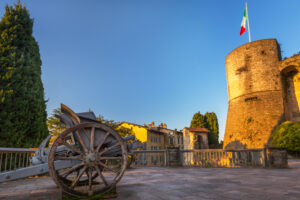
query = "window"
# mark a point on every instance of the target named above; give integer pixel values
(178, 139)
(151, 138)
(251, 99)
(159, 139)
(181, 140)
(171, 140)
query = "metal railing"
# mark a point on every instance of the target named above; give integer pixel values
(150, 158)
(14, 158)
(223, 158)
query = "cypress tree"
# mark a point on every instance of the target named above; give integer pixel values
(212, 125)
(23, 109)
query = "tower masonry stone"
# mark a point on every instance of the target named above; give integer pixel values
(259, 98)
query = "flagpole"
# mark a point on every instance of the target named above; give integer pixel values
(248, 23)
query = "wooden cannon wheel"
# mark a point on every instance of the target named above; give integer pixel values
(98, 157)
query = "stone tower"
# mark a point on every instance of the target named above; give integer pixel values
(255, 91)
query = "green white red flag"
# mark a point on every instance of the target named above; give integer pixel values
(243, 25)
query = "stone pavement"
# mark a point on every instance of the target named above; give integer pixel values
(181, 183)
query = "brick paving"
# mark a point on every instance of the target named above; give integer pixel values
(181, 183)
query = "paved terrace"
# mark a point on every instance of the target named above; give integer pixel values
(181, 183)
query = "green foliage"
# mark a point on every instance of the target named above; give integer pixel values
(198, 121)
(212, 125)
(121, 130)
(108, 122)
(53, 123)
(23, 109)
(124, 132)
(209, 121)
(287, 135)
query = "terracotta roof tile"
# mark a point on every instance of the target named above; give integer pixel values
(203, 130)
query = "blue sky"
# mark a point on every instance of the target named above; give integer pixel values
(149, 60)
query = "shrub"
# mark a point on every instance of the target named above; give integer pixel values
(287, 135)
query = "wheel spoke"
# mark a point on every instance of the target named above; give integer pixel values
(107, 167)
(69, 171)
(101, 175)
(68, 158)
(90, 178)
(78, 177)
(81, 141)
(102, 141)
(85, 133)
(72, 148)
(92, 139)
(109, 148)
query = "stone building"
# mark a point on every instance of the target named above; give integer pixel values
(263, 91)
(195, 138)
(155, 137)
(160, 137)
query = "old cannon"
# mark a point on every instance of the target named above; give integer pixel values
(89, 158)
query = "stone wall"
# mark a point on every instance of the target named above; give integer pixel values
(255, 94)
(276, 157)
(290, 71)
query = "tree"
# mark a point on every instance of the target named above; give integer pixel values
(198, 121)
(55, 127)
(124, 132)
(287, 135)
(209, 121)
(22, 105)
(107, 122)
(212, 125)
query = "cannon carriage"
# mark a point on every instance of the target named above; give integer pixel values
(89, 158)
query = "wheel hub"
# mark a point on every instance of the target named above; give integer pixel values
(90, 158)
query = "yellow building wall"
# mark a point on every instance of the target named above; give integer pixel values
(139, 132)
(296, 80)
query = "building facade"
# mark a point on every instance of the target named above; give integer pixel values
(155, 137)
(195, 138)
(160, 137)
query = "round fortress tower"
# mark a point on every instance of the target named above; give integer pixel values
(255, 94)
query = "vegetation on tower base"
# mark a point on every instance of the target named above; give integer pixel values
(287, 135)
(22, 105)
(209, 121)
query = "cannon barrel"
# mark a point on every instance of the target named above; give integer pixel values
(131, 137)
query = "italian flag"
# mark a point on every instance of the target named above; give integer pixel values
(243, 25)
